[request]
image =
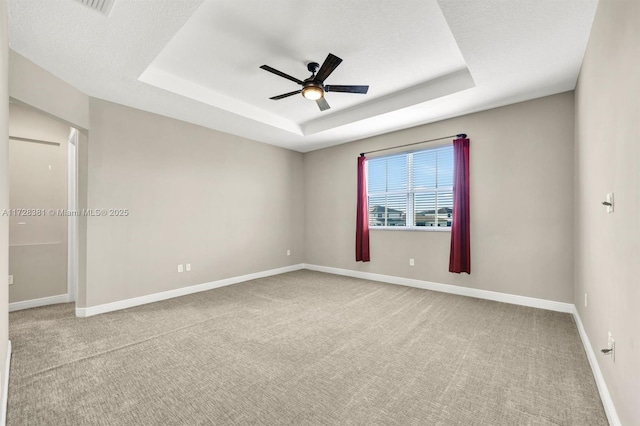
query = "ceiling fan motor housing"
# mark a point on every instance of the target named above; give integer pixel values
(312, 89)
(313, 67)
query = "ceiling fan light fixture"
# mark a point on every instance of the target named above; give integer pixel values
(313, 88)
(312, 93)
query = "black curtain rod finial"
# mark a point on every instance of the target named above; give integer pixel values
(462, 136)
(362, 154)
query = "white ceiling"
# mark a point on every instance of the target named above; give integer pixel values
(198, 61)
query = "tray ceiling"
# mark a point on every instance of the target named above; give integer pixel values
(199, 61)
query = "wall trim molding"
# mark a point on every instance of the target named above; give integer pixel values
(5, 385)
(513, 299)
(34, 303)
(183, 291)
(605, 396)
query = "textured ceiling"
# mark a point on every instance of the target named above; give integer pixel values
(198, 61)
(223, 71)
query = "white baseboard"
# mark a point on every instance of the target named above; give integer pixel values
(156, 297)
(550, 305)
(605, 396)
(44, 301)
(5, 386)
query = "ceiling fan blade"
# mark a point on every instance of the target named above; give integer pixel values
(281, 74)
(322, 104)
(329, 64)
(286, 95)
(346, 89)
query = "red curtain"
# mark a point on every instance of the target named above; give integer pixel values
(460, 255)
(362, 215)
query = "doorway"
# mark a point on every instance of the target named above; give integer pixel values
(43, 233)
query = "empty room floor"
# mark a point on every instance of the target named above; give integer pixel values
(302, 348)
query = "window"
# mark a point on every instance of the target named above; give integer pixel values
(412, 190)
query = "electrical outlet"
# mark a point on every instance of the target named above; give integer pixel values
(188, 267)
(180, 268)
(288, 252)
(10, 279)
(585, 300)
(412, 262)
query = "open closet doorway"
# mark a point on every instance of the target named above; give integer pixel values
(43, 236)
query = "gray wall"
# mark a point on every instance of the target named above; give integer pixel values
(521, 163)
(608, 160)
(4, 194)
(227, 205)
(38, 180)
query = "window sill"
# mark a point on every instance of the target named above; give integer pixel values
(417, 228)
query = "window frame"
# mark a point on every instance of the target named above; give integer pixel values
(410, 194)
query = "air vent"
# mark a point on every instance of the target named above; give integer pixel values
(102, 6)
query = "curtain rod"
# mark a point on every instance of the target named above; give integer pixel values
(460, 136)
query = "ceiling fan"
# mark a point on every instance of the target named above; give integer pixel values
(313, 88)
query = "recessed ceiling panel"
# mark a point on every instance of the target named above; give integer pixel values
(200, 60)
(390, 46)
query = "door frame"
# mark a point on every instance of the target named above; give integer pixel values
(72, 218)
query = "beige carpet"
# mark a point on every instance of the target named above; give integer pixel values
(303, 348)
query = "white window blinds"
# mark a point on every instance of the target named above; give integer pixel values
(412, 189)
